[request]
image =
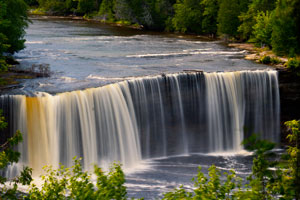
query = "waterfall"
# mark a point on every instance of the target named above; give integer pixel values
(145, 117)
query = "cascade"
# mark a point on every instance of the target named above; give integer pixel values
(145, 118)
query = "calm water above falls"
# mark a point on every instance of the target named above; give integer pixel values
(84, 54)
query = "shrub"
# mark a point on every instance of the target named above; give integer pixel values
(74, 183)
(265, 59)
(293, 64)
(275, 60)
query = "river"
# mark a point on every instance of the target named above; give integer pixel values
(182, 120)
(85, 54)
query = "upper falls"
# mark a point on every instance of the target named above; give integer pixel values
(145, 117)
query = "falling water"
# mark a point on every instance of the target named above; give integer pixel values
(145, 118)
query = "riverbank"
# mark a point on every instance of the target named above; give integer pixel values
(14, 76)
(257, 53)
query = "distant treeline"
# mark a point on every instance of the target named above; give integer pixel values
(272, 23)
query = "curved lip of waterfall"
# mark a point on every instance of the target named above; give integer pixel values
(119, 80)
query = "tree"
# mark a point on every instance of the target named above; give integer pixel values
(86, 6)
(188, 16)
(210, 13)
(13, 21)
(107, 10)
(284, 35)
(262, 30)
(228, 21)
(247, 17)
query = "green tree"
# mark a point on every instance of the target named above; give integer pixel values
(188, 16)
(107, 10)
(284, 35)
(209, 22)
(228, 21)
(13, 21)
(262, 30)
(86, 6)
(248, 17)
(161, 11)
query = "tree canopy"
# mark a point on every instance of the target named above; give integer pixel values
(13, 21)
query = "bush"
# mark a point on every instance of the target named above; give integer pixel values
(74, 183)
(293, 64)
(275, 60)
(265, 59)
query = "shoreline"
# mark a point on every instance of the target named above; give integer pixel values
(256, 53)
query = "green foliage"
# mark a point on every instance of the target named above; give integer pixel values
(248, 17)
(9, 156)
(107, 10)
(228, 20)
(265, 59)
(292, 173)
(262, 30)
(284, 35)
(293, 64)
(58, 7)
(188, 16)
(13, 20)
(263, 178)
(275, 60)
(74, 183)
(209, 188)
(210, 13)
(86, 6)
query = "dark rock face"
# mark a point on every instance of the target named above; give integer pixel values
(289, 86)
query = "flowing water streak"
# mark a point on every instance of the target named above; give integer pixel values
(145, 118)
